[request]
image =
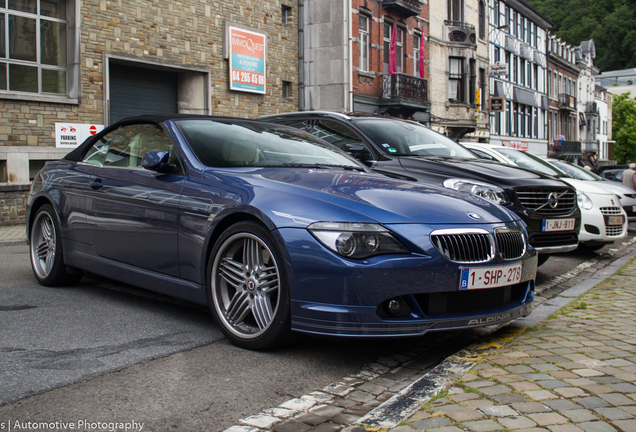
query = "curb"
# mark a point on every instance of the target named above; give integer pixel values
(13, 242)
(405, 403)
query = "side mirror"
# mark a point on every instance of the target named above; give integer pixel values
(157, 161)
(360, 152)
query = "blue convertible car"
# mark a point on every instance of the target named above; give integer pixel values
(277, 231)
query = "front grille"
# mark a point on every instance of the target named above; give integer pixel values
(612, 230)
(553, 239)
(538, 200)
(510, 244)
(464, 246)
(611, 211)
(472, 301)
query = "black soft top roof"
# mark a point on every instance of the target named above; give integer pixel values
(77, 154)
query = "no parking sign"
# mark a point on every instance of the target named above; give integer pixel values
(70, 135)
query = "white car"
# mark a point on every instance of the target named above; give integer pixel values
(625, 194)
(603, 219)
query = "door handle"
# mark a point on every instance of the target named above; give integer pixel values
(96, 184)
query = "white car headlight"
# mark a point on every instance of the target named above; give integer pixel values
(356, 240)
(584, 201)
(484, 190)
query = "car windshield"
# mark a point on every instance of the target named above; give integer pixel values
(249, 144)
(403, 138)
(575, 171)
(530, 161)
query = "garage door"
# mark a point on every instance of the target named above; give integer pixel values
(137, 91)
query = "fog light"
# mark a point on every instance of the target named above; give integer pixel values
(393, 306)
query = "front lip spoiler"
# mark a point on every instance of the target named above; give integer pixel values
(556, 249)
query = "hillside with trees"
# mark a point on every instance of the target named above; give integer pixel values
(611, 23)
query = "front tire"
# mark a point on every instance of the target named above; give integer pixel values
(47, 255)
(248, 289)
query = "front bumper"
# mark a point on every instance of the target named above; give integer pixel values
(339, 297)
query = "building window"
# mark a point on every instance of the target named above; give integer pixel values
(388, 29)
(508, 118)
(522, 72)
(515, 69)
(509, 66)
(482, 20)
(522, 28)
(456, 10)
(287, 90)
(417, 37)
(456, 80)
(472, 83)
(536, 78)
(286, 15)
(363, 25)
(497, 14)
(34, 48)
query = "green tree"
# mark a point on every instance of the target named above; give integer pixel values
(624, 128)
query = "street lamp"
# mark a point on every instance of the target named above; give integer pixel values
(503, 27)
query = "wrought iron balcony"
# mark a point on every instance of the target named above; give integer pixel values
(565, 147)
(591, 108)
(407, 8)
(406, 87)
(567, 102)
(459, 31)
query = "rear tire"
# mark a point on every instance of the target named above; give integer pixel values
(47, 255)
(248, 289)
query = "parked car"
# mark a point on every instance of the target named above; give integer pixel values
(625, 194)
(411, 152)
(277, 231)
(603, 219)
(611, 172)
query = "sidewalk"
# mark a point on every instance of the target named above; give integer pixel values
(12, 235)
(573, 372)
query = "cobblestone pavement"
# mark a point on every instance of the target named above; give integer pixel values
(574, 372)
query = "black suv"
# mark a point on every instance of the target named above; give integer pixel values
(410, 151)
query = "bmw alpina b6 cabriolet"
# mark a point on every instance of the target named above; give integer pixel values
(277, 231)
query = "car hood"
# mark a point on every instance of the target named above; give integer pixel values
(311, 195)
(588, 186)
(477, 169)
(614, 187)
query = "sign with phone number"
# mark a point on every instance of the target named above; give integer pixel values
(247, 60)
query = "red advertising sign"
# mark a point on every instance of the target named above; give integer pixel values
(519, 145)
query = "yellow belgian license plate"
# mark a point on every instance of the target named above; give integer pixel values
(490, 277)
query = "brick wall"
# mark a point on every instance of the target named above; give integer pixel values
(12, 204)
(176, 34)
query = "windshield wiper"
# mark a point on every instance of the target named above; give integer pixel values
(322, 166)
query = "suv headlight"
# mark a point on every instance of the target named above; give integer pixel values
(584, 201)
(356, 240)
(484, 190)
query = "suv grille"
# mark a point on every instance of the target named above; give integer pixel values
(510, 244)
(465, 246)
(538, 200)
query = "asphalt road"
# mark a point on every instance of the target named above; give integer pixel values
(105, 351)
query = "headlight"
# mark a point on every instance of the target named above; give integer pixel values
(484, 190)
(584, 201)
(356, 240)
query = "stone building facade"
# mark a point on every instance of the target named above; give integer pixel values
(459, 64)
(98, 60)
(345, 56)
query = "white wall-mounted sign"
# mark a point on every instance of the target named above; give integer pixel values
(70, 135)
(499, 69)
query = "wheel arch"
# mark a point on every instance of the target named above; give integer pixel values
(38, 202)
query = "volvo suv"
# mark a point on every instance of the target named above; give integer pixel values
(409, 151)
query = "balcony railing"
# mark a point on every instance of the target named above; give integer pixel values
(459, 31)
(407, 8)
(407, 87)
(591, 108)
(567, 102)
(565, 147)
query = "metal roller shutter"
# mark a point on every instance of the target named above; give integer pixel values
(137, 91)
